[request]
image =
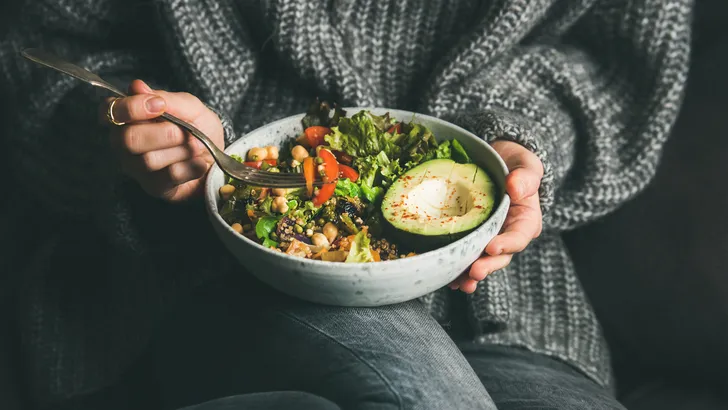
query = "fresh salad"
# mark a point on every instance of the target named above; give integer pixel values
(390, 190)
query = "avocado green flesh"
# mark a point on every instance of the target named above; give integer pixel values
(439, 197)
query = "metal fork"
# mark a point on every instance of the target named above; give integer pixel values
(229, 165)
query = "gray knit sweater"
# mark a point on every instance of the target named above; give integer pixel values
(591, 86)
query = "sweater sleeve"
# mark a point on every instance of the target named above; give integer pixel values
(59, 153)
(595, 102)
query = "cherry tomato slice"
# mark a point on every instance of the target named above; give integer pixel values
(331, 175)
(324, 194)
(258, 164)
(348, 172)
(331, 166)
(309, 173)
(315, 135)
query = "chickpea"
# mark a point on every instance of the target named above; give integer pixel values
(299, 153)
(257, 154)
(330, 231)
(318, 239)
(279, 205)
(237, 227)
(226, 191)
(272, 152)
(279, 191)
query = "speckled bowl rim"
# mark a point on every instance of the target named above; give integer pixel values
(211, 197)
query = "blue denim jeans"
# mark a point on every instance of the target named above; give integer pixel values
(239, 339)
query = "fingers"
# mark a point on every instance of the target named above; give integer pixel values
(138, 139)
(165, 160)
(166, 182)
(523, 224)
(139, 87)
(467, 286)
(468, 281)
(153, 161)
(487, 265)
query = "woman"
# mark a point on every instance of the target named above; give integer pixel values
(581, 92)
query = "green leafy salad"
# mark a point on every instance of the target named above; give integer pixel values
(389, 190)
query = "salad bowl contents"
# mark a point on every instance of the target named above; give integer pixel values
(396, 204)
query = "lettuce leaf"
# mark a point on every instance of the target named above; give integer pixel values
(365, 134)
(265, 226)
(390, 170)
(344, 187)
(367, 167)
(265, 206)
(443, 151)
(458, 153)
(359, 251)
(368, 170)
(372, 194)
(268, 242)
(419, 145)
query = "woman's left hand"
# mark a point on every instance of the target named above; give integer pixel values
(523, 222)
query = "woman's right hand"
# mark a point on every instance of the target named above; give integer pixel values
(167, 161)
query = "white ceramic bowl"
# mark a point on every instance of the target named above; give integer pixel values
(361, 284)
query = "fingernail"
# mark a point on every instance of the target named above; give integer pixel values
(155, 105)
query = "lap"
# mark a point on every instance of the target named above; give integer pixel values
(518, 379)
(268, 401)
(230, 341)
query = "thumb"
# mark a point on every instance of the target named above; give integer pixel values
(526, 169)
(522, 183)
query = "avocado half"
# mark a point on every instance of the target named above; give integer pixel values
(438, 201)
